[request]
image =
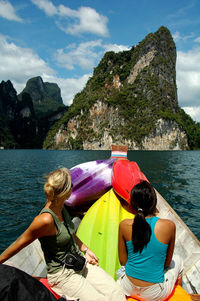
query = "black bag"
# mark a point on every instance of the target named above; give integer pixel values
(19, 286)
(74, 261)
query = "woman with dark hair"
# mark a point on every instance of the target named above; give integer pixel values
(146, 246)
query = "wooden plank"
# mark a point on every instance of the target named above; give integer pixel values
(122, 148)
(195, 297)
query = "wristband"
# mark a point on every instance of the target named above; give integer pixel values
(85, 251)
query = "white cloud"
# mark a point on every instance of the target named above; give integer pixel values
(83, 20)
(197, 40)
(89, 21)
(19, 64)
(116, 48)
(85, 55)
(188, 80)
(65, 11)
(188, 77)
(194, 112)
(47, 6)
(7, 11)
(178, 37)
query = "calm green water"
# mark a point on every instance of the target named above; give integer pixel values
(176, 175)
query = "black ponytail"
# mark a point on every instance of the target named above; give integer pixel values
(143, 201)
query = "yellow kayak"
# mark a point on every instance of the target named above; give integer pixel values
(99, 230)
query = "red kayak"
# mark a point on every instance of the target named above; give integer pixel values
(125, 176)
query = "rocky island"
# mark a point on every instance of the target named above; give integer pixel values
(131, 99)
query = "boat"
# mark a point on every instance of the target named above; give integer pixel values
(31, 260)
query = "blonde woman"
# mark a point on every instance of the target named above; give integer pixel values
(55, 230)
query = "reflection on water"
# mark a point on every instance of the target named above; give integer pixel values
(175, 174)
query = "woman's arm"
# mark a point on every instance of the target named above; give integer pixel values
(122, 244)
(41, 226)
(170, 250)
(90, 256)
(79, 242)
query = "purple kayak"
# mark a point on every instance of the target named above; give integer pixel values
(90, 181)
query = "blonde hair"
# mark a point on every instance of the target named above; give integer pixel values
(58, 184)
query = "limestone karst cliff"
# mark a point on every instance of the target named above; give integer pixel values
(130, 99)
(42, 91)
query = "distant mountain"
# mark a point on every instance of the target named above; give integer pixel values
(130, 99)
(24, 122)
(41, 91)
(46, 96)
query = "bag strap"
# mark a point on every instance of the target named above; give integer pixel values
(73, 244)
(58, 260)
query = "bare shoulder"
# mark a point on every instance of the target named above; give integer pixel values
(42, 221)
(165, 230)
(166, 224)
(125, 229)
(126, 222)
(46, 218)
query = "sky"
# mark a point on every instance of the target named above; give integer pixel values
(64, 40)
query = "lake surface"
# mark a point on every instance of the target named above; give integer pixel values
(175, 174)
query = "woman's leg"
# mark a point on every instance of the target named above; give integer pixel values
(103, 283)
(91, 284)
(73, 286)
(173, 275)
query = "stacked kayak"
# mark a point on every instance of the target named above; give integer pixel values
(90, 181)
(125, 176)
(99, 230)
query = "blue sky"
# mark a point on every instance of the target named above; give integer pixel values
(63, 40)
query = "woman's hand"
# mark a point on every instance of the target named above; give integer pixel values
(91, 257)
